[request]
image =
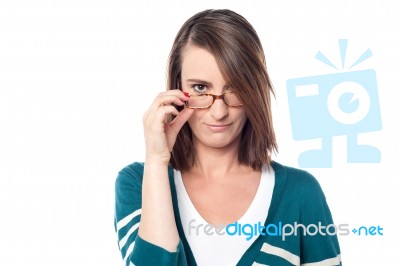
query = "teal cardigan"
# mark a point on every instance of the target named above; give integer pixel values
(297, 198)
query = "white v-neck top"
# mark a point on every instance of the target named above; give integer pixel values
(214, 246)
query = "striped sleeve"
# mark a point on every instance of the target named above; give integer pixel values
(128, 202)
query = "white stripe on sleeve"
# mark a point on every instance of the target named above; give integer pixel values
(124, 221)
(280, 252)
(129, 251)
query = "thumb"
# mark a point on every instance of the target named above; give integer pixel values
(181, 119)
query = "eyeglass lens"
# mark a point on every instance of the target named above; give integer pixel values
(202, 101)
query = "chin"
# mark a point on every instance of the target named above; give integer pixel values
(219, 142)
(217, 145)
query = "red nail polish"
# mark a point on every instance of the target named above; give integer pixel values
(186, 94)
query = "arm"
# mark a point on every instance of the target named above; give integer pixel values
(128, 213)
(156, 240)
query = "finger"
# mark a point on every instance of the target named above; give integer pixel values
(165, 110)
(178, 93)
(171, 100)
(184, 96)
(159, 116)
(181, 119)
(167, 99)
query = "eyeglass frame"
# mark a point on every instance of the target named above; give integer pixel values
(222, 97)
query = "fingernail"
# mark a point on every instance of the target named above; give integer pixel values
(186, 94)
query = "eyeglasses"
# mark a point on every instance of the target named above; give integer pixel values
(203, 101)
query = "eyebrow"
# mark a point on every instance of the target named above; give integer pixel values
(199, 81)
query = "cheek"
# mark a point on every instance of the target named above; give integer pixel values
(242, 117)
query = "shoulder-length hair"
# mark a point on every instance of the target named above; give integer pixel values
(241, 60)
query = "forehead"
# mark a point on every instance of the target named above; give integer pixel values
(199, 63)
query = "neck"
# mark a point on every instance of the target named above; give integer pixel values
(216, 163)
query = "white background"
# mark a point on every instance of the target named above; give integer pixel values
(76, 77)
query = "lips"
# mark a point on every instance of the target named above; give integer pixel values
(218, 128)
(218, 125)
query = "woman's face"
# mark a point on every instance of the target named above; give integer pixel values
(220, 125)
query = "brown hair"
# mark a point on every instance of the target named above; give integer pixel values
(240, 57)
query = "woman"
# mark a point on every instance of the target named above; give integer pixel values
(208, 189)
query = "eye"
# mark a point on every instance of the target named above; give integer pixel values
(200, 88)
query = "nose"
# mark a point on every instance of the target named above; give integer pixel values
(219, 110)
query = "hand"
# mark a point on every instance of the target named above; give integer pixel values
(160, 136)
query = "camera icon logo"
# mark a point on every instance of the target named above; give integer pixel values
(325, 106)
